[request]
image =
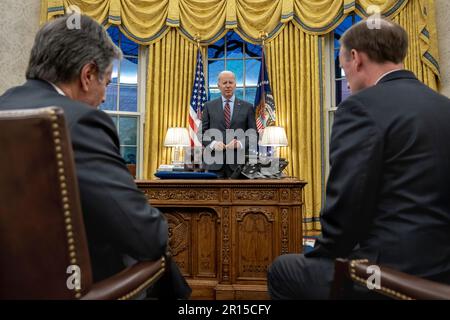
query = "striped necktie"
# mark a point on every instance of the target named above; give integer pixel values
(227, 114)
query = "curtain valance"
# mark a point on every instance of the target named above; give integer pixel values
(146, 21)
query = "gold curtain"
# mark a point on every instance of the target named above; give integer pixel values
(418, 20)
(295, 64)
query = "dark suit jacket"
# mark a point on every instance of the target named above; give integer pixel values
(388, 192)
(117, 216)
(212, 118)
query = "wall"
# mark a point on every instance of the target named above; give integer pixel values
(20, 22)
(443, 29)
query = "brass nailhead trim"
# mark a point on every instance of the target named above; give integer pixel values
(146, 283)
(387, 291)
(64, 192)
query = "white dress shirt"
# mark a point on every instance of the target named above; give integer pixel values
(385, 74)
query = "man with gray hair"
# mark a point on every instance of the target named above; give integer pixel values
(71, 68)
(224, 122)
(387, 197)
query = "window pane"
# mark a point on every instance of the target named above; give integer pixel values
(252, 68)
(129, 154)
(217, 50)
(252, 50)
(128, 130)
(214, 93)
(234, 46)
(342, 91)
(237, 66)
(111, 98)
(129, 71)
(115, 72)
(336, 56)
(128, 98)
(336, 41)
(114, 119)
(214, 68)
(239, 93)
(250, 94)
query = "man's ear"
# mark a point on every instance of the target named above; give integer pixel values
(87, 75)
(357, 59)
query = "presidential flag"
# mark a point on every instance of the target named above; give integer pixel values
(198, 100)
(264, 103)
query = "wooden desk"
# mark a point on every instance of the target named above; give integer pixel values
(225, 233)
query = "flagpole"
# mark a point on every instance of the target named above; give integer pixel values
(263, 36)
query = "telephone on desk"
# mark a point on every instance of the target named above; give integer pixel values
(264, 168)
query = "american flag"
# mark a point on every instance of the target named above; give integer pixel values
(198, 101)
(264, 103)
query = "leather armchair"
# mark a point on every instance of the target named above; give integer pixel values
(393, 284)
(42, 236)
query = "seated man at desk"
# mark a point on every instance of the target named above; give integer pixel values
(225, 123)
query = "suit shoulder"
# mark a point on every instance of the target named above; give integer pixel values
(214, 101)
(244, 103)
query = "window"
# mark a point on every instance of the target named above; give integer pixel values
(234, 54)
(341, 90)
(335, 76)
(122, 100)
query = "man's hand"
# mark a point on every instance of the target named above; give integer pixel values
(234, 144)
(219, 146)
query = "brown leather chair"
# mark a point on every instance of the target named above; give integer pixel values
(41, 225)
(393, 284)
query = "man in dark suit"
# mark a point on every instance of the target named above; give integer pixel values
(228, 127)
(70, 68)
(388, 191)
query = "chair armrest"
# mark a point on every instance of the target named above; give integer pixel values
(399, 285)
(128, 283)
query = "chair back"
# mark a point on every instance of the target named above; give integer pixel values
(391, 283)
(42, 238)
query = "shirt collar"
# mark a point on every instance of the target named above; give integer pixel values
(385, 74)
(231, 99)
(58, 89)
